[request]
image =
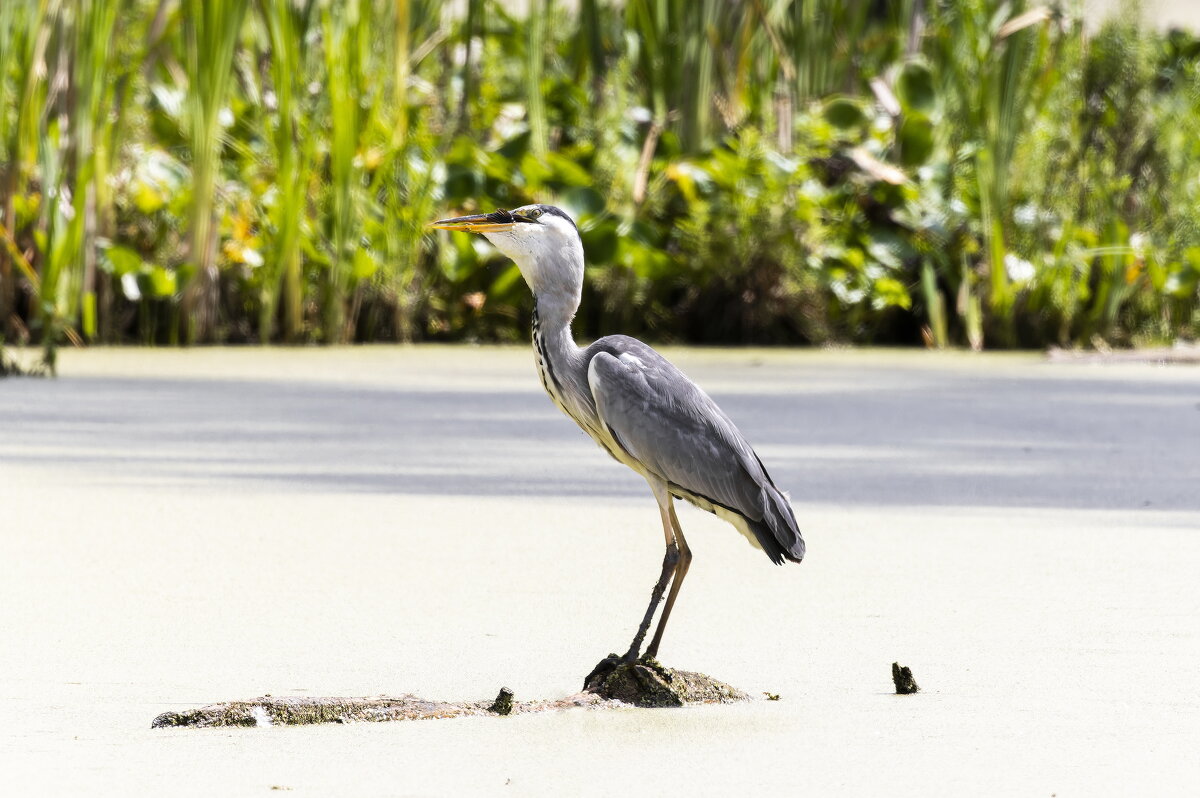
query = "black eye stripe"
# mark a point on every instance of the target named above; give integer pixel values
(502, 216)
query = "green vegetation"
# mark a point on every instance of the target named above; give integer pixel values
(974, 173)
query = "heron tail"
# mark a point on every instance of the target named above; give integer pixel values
(777, 532)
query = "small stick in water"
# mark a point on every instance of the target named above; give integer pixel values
(902, 676)
(503, 703)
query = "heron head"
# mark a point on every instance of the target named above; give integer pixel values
(541, 239)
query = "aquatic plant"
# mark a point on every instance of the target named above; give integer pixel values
(979, 173)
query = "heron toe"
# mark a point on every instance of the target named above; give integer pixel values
(602, 671)
(641, 683)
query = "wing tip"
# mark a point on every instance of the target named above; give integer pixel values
(781, 526)
(779, 552)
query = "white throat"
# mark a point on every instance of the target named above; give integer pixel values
(550, 257)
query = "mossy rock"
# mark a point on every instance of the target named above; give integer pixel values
(648, 683)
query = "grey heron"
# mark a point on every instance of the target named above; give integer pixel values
(639, 407)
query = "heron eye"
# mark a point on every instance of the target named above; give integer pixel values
(533, 214)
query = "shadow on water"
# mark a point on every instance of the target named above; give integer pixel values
(943, 438)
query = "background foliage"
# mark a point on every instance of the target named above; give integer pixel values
(975, 172)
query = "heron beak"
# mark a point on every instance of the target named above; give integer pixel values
(497, 222)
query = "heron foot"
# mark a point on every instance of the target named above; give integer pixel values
(603, 670)
(643, 683)
(613, 661)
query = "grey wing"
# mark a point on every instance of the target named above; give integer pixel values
(663, 420)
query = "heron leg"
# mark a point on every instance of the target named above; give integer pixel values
(670, 566)
(670, 563)
(681, 569)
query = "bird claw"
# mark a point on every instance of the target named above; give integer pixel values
(603, 668)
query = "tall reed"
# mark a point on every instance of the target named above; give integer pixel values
(996, 70)
(96, 122)
(288, 25)
(21, 42)
(211, 30)
(351, 96)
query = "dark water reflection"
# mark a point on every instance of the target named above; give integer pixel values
(895, 437)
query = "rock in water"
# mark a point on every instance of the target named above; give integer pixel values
(648, 683)
(503, 705)
(903, 679)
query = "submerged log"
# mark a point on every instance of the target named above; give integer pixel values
(299, 711)
(646, 684)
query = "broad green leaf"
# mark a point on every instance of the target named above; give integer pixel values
(600, 242)
(915, 139)
(914, 88)
(147, 198)
(564, 170)
(162, 281)
(516, 146)
(120, 260)
(364, 265)
(844, 113)
(890, 292)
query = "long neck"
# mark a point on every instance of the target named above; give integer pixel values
(560, 362)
